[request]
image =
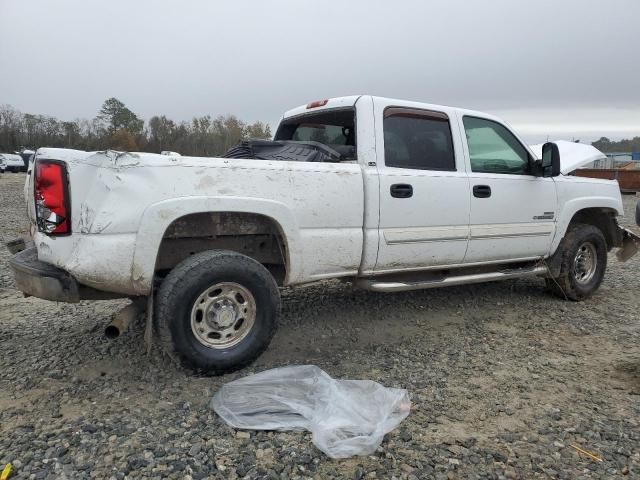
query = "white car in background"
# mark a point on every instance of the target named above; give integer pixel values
(13, 162)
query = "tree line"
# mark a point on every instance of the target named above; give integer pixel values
(117, 127)
(607, 146)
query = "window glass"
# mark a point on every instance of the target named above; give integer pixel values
(493, 148)
(412, 140)
(333, 128)
(327, 134)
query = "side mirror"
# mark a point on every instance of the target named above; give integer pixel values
(550, 160)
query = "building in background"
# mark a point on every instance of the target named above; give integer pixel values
(623, 160)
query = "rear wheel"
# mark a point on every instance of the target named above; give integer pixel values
(583, 263)
(217, 311)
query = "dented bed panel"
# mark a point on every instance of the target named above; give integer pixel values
(99, 261)
(122, 204)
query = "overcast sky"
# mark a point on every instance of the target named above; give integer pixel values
(561, 68)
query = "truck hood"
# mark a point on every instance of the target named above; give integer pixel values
(572, 155)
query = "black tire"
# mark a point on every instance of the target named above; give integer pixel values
(186, 284)
(567, 284)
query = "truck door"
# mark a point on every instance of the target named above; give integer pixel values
(512, 211)
(424, 189)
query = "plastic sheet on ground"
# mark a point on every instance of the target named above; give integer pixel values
(345, 417)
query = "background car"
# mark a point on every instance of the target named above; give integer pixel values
(14, 162)
(3, 165)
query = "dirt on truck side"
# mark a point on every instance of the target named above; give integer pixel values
(505, 382)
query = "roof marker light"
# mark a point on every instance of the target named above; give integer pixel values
(317, 103)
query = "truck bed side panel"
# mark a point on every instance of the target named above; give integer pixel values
(123, 203)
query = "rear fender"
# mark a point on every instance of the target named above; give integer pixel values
(157, 218)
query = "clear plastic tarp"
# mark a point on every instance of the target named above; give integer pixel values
(345, 417)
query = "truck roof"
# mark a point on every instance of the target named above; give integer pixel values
(351, 100)
(337, 102)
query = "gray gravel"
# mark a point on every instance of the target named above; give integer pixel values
(503, 380)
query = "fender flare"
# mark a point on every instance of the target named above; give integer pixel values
(157, 217)
(571, 207)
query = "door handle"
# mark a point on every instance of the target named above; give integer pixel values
(481, 191)
(401, 190)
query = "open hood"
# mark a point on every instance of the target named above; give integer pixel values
(572, 155)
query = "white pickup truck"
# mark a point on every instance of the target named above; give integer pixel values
(389, 194)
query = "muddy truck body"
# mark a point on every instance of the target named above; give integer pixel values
(388, 194)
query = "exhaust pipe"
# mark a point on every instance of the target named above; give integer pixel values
(123, 319)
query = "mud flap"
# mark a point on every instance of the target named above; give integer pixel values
(148, 328)
(630, 245)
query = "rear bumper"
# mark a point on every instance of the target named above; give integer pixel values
(43, 280)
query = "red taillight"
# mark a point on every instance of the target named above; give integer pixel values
(317, 103)
(51, 194)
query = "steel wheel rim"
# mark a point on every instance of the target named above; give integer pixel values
(585, 263)
(223, 315)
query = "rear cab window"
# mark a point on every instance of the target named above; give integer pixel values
(418, 139)
(334, 128)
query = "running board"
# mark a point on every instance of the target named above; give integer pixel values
(398, 286)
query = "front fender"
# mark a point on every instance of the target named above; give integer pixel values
(157, 217)
(573, 206)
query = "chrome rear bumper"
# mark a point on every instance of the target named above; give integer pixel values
(43, 280)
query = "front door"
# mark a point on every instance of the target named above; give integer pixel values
(424, 190)
(513, 212)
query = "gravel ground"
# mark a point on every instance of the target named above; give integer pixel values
(504, 379)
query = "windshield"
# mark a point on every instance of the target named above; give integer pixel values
(333, 128)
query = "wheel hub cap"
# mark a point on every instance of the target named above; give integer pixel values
(585, 263)
(223, 315)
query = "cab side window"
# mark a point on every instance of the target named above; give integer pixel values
(494, 149)
(418, 139)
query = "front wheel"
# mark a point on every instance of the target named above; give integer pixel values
(583, 263)
(217, 311)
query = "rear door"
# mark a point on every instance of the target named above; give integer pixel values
(512, 211)
(424, 189)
